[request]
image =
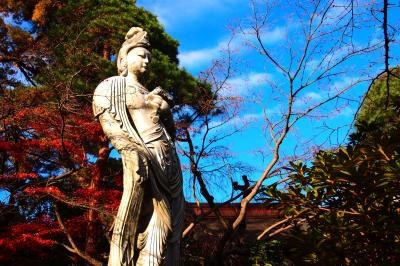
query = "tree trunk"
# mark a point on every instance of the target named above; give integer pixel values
(107, 51)
(95, 184)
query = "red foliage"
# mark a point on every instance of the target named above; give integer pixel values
(85, 128)
(7, 146)
(107, 199)
(19, 176)
(119, 181)
(76, 226)
(39, 140)
(34, 238)
(47, 130)
(54, 191)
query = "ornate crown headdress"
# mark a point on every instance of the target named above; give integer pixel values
(136, 37)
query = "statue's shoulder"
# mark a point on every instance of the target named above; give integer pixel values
(102, 93)
(105, 86)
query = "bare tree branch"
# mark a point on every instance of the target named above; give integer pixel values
(74, 248)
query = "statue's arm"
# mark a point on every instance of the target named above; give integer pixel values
(118, 137)
(112, 127)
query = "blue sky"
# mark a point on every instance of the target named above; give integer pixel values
(203, 29)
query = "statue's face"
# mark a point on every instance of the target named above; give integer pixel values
(138, 59)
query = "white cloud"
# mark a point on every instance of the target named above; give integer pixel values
(174, 14)
(196, 58)
(275, 35)
(201, 57)
(240, 121)
(313, 96)
(306, 100)
(245, 83)
(268, 36)
(170, 12)
(246, 119)
(345, 82)
(347, 111)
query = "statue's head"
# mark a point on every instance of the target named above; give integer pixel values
(135, 38)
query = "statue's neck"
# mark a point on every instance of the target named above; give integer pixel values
(132, 79)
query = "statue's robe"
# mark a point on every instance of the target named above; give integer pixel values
(148, 158)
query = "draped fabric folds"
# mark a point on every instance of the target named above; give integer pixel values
(153, 159)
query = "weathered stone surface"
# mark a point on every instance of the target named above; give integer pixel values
(148, 226)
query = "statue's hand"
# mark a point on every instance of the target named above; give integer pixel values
(154, 101)
(165, 95)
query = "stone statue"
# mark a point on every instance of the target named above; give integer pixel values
(149, 223)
